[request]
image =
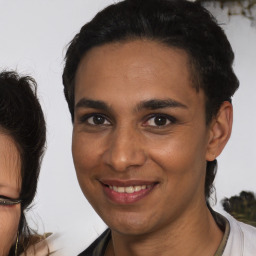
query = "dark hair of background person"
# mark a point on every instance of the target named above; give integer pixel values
(173, 23)
(21, 118)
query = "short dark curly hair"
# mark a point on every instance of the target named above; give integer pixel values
(174, 23)
(21, 118)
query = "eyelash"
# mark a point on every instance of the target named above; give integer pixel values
(171, 119)
(6, 201)
(85, 118)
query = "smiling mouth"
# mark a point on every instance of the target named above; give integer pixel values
(127, 192)
(130, 189)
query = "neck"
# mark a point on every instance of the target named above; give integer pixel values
(195, 233)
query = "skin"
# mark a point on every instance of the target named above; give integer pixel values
(129, 145)
(10, 166)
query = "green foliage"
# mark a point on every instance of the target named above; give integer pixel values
(242, 207)
(246, 8)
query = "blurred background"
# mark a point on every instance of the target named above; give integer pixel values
(33, 40)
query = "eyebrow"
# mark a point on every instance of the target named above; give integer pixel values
(158, 104)
(152, 104)
(87, 103)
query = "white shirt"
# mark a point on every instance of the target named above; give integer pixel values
(241, 240)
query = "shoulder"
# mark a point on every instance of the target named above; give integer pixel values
(98, 247)
(249, 235)
(35, 245)
(248, 231)
(242, 238)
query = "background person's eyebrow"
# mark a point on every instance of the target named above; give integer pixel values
(87, 103)
(157, 104)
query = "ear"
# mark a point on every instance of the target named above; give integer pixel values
(220, 131)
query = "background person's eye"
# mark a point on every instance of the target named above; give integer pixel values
(7, 201)
(97, 120)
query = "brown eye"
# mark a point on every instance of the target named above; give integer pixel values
(159, 120)
(98, 120)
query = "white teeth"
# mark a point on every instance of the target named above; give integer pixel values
(137, 188)
(130, 189)
(120, 189)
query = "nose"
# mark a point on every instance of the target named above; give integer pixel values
(125, 150)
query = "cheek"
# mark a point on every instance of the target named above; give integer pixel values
(178, 150)
(181, 158)
(86, 157)
(9, 222)
(181, 167)
(87, 152)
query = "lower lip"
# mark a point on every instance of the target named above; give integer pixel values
(126, 198)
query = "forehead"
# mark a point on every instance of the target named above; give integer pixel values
(138, 68)
(10, 166)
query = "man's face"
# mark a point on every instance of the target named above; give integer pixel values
(140, 136)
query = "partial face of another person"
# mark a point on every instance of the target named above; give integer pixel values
(140, 138)
(10, 167)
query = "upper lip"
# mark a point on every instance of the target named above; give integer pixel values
(126, 183)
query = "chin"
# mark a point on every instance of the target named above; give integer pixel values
(131, 225)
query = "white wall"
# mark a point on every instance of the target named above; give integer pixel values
(33, 36)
